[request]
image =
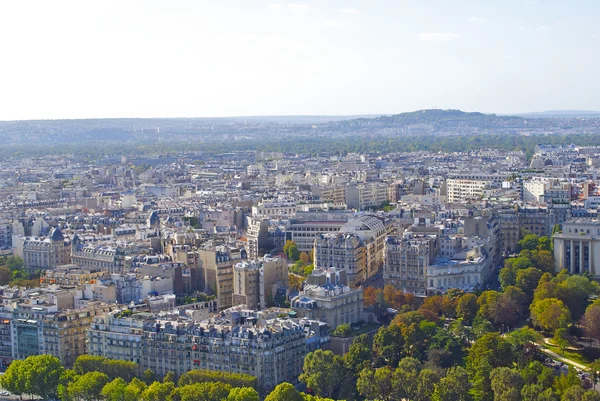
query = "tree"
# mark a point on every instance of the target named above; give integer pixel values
(169, 378)
(550, 314)
(573, 393)
(561, 339)
(591, 395)
(115, 390)
(488, 352)
(544, 260)
(343, 330)
(427, 380)
(295, 281)
(88, 387)
(388, 343)
(591, 320)
(208, 391)
(148, 376)
(506, 384)
(158, 391)
(406, 378)
(433, 304)
(291, 251)
(544, 244)
(14, 379)
(466, 307)
(564, 382)
(369, 297)
(507, 276)
(529, 242)
(376, 384)
(284, 392)
(243, 394)
(304, 258)
(527, 280)
(43, 373)
(5, 275)
(454, 387)
(359, 354)
(481, 326)
(322, 372)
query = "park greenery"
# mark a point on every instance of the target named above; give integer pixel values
(12, 272)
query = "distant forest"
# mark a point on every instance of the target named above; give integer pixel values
(306, 145)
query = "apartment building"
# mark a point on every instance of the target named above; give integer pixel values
(459, 190)
(327, 297)
(407, 259)
(272, 351)
(343, 251)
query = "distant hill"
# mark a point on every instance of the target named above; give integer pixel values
(561, 114)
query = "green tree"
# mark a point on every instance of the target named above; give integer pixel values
(284, 392)
(148, 376)
(573, 393)
(114, 390)
(591, 395)
(564, 382)
(88, 387)
(506, 384)
(5, 275)
(528, 279)
(322, 372)
(158, 391)
(169, 378)
(488, 352)
(343, 330)
(243, 394)
(207, 391)
(454, 387)
(427, 380)
(377, 384)
(406, 378)
(388, 343)
(591, 320)
(544, 244)
(529, 242)
(291, 251)
(15, 378)
(43, 373)
(359, 354)
(561, 339)
(466, 307)
(550, 314)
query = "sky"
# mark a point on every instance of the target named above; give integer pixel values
(210, 58)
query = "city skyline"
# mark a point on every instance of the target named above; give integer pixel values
(257, 58)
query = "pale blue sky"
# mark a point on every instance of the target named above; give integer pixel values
(76, 59)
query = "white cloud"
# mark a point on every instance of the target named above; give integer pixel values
(296, 6)
(438, 36)
(278, 6)
(543, 28)
(477, 20)
(349, 11)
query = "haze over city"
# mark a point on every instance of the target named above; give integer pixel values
(83, 59)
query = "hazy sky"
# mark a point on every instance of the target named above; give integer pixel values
(75, 59)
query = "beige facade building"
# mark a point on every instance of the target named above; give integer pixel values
(272, 350)
(407, 259)
(48, 253)
(343, 251)
(64, 333)
(577, 247)
(327, 297)
(216, 267)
